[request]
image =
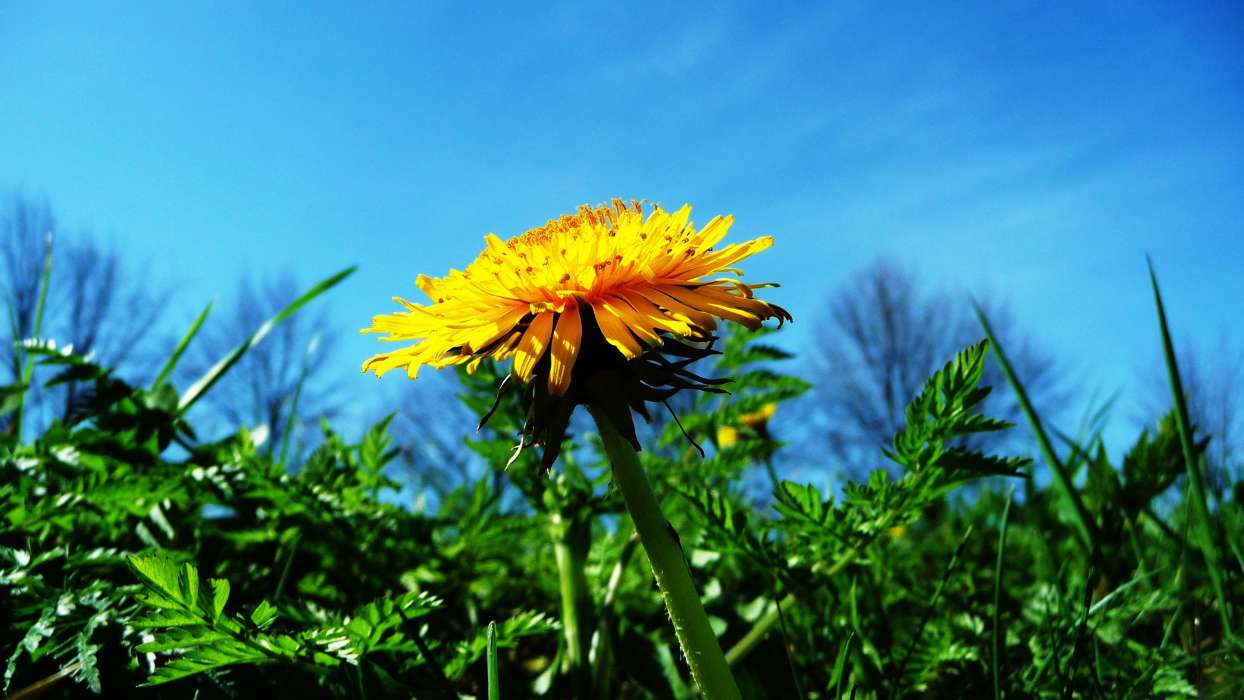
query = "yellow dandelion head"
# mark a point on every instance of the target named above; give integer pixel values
(757, 420)
(727, 436)
(606, 280)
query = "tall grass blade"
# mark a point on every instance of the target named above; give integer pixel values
(840, 664)
(167, 370)
(1195, 482)
(928, 613)
(28, 371)
(214, 374)
(291, 421)
(999, 642)
(494, 675)
(1084, 522)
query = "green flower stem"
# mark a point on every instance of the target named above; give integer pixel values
(699, 645)
(760, 630)
(571, 540)
(770, 619)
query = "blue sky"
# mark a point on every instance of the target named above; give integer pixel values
(1037, 151)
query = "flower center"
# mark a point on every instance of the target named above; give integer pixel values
(573, 224)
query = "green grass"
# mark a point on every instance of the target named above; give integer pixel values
(140, 558)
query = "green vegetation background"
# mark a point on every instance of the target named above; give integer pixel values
(137, 560)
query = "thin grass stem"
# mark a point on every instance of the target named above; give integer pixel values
(1196, 482)
(1084, 522)
(28, 370)
(999, 642)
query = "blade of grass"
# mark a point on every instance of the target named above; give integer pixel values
(214, 374)
(171, 363)
(602, 656)
(1195, 482)
(15, 334)
(998, 641)
(1084, 522)
(840, 664)
(291, 421)
(28, 371)
(928, 613)
(289, 562)
(494, 675)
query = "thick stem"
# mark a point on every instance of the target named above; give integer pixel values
(699, 645)
(571, 540)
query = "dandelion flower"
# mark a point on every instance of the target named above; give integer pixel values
(586, 305)
(607, 307)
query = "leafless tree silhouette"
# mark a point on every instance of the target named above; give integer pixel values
(880, 336)
(92, 303)
(25, 227)
(281, 383)
(430, 427)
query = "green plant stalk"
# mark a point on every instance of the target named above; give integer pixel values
(999, 643)
(759, 630)
(1084, 521)
(28, 370)
(1195, 483)
(213, 375)
(695, 635)
(291, 421)
(602, 647)
(571, 541)
(494, 674)
(774, 481)
(928, 612)
(169, 365)
(770, 619)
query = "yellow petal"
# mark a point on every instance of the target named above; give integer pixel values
(695, 299)
(566, 337)
(624, 313)
(531, 348)
(654, 317)
(616, 333)
(713, 262)
(489, 329)
(713, 232)
(704, 321)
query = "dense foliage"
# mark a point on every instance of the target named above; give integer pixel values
(140, 561)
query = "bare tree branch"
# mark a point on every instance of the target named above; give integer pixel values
(93, 304)
(24, 226)
(290, 362)
(880, 336)
(1213, 381)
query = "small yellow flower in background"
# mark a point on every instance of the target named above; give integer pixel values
(758, 421)
(760, 418)
(727, 436)
(755, 423)
(897, 532)
(587, 306)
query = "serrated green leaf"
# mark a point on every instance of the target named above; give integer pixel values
(263, 615)
(220, 596)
